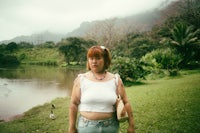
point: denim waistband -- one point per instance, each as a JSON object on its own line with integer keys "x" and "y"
{"x": 99, "y": 123}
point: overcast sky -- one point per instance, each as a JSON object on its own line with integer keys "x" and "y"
{"x": 26, "y": 17}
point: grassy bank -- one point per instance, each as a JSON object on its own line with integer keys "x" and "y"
{"x": 165, "y": 106}
{"x": 40, "y": 56}
{"x": 168, "y": 105}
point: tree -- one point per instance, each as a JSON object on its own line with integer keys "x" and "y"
{"x": 185, "y": 41}
{"x": 75, "y": 48}
{"x": 191, "y": 12}
{"x": 136, "y": 45}
{"x": 25, "y": 45}
{"x": 106, "y": 32}
{"x": 47, "y": 44}
{"x": 11, "y": 46}
{"x": 68, "y": 51}
{"x": 8, "y": 60}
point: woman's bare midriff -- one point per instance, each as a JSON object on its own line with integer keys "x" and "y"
{"x": 96, "y": 115}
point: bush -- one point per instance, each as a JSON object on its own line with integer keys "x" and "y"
{"x": 162, "y": 59}
{"x": 8, "y": 60}
{"x": 130, "y": 70}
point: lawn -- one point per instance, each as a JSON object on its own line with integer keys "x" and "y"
{"x": 168, "y": 105}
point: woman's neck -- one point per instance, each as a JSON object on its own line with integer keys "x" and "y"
{"x": 99, "y": 75}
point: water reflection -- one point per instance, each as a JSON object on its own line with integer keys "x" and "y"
{"x": 28, "y": 86}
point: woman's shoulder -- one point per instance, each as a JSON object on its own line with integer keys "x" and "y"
{"x": 81, "y": 76}
{"x": 114, "y": 74}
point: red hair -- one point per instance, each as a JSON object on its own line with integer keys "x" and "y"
{"x": 99, "y": 51}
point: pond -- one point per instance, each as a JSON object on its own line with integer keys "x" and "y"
{"x": 27, "y": 86}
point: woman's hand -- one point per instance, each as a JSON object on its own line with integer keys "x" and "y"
{"x": 73, "y": 130}
{"x": 130, "y": 129}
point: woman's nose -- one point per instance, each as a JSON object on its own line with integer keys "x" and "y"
{"x": 94, "y": 60}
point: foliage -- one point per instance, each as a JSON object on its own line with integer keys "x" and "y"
{"x": 136, "y": 45}
{"x": 69, "y": 51}
{"x": 74, "y": 49}
{"x": 25, "y": 45}
{"x": 185, "y": 11}
{"x": 11, "y": 47}
{"x": 47, "y": 53}
{"x": 39, "y": 56}
{"x": 162, "y": 59}
{"x": 48, "y": 44}
{"x": 181, "y": 29}
{"x": 8, "y": 61}
{"x": 6, "y": 57}
{"x": 190, "y": 12}
{"x": 185, "y": 41}
{"x": 2, "y": 48}
{"x": 129, "y": 69}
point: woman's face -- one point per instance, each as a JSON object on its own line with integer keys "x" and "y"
{"x": 96, "y": 64}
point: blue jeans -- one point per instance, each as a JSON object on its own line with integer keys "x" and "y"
{"x": 110, "y": 125}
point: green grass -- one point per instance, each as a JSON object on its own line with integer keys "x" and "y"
{"x": 42, "y": 56}
{"x": 37, "y": 119}
{"x": 168, "y": 105}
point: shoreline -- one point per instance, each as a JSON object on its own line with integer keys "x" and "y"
{"x": 14, "y": 117}
{"x": 21, "y": 115}
{"x": 11, "y": 118}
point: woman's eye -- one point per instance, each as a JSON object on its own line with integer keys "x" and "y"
{"x": 95, "y": 58}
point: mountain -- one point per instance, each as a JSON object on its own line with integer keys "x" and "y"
{"x": 37, "y": 38}
{"x": 140, "y": 22}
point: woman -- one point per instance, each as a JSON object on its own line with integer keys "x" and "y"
{"x": 94, "y": 95}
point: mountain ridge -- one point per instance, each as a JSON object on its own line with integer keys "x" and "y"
{"x": 142, "y": 22}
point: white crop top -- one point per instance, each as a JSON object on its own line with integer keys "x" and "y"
{"x": 97, "y": 96}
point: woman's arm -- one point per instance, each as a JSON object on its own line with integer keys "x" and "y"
{"x": 127, "y": 104}
{"x": 73, "y": 109}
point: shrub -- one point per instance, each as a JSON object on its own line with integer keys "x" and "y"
{"x": 130, "y": 69}
{"x": 8, "y": 60}
{"x": 162, "y": 59}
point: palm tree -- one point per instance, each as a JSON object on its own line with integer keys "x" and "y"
{"x": 185, "y": 41}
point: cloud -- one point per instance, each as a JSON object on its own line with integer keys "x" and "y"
{"x": 25, "y": 17}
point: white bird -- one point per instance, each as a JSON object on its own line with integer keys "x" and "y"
{"x": 52, "y": 116}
